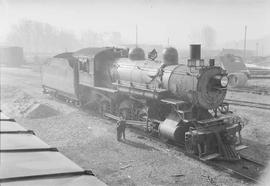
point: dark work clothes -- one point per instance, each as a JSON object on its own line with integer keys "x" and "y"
{"x": 121, "y": 126}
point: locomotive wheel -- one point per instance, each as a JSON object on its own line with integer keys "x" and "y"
{"x": 78, "y": 104}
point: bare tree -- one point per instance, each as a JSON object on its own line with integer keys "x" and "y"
{"x": 209, "y": 37}
{"x": 40, "y": 37}
{"x": 37, "y": 37}
{"x": 90, "y": 38}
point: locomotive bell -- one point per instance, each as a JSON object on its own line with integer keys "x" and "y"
{"x": 136, "y": 54}
{"x": 170, "y": 56}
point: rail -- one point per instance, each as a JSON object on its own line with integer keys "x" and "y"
{"x": 264, "y": 106}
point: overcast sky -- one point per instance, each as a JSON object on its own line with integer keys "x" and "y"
{"x": 157, "y": 20}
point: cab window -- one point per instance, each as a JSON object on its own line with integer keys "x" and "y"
{"x": 84, "y": 65}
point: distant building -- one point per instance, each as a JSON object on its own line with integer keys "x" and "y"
{"x": 237, "y": 52}
{"x": 11, "y": 56}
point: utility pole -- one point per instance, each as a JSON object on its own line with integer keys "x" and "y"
{"x": 168, "y": 42}
{"x": 245, "y": 42}
{"x": 136, "y": 36}
{"x": 257, "y": 49}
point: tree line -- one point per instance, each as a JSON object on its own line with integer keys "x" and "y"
{"x": 38, "y": 37}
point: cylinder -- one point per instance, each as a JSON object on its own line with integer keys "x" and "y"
{"x": 195, "y": 52}
{"x": 170, "y": 128}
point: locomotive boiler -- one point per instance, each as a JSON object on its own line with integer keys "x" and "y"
{"x": 181, "y": 103}
{"x": 203, "y": 86}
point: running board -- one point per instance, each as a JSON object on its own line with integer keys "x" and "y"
{"x": 209, "y": 157}
{"x": 111, "y": 116}
{"x": 128, "y": 122}
{"x": 240, "y": 147}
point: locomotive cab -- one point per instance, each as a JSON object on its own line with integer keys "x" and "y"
{"x": 95, "y": 64}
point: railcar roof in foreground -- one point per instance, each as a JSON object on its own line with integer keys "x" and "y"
{"x": 27, "y": 160}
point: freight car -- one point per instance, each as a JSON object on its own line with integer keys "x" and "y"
{"x": 182, "y": 103}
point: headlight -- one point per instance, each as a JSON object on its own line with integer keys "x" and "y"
{"x": 224, "y": 81}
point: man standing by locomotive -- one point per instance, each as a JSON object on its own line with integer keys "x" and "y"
{"x": 121, "y": 127}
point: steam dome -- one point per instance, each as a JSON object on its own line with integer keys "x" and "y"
{"x": 170, "y": 56}
{"x": 136, "y": 54}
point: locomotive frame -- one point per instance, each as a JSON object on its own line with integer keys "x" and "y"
{"x": 98, "y": 81}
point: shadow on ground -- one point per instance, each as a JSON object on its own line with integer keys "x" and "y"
{"x": 138, "y": 145}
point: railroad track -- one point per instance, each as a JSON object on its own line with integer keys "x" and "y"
{"x": 245, "y": 168}
{"x": 253, "y": 90}
{"x": 260, "y": 77}
{"x": 264, "y": 106}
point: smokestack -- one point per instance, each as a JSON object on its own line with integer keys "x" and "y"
{"x": 195, "y": 52}
{"x": 195, "y": 56}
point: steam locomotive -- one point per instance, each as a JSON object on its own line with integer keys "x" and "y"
{"x": 181, "y": 103}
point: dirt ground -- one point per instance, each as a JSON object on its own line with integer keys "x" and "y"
{"x": 90, "y": 141}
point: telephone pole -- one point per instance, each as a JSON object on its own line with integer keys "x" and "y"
{"x": 136, "y": 36}
{"x": 245, "y": 42}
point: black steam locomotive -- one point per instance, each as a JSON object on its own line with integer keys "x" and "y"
{"x": 182, "y": 103}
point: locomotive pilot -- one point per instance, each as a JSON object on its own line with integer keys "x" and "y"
{"x": 121, "y": 127}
